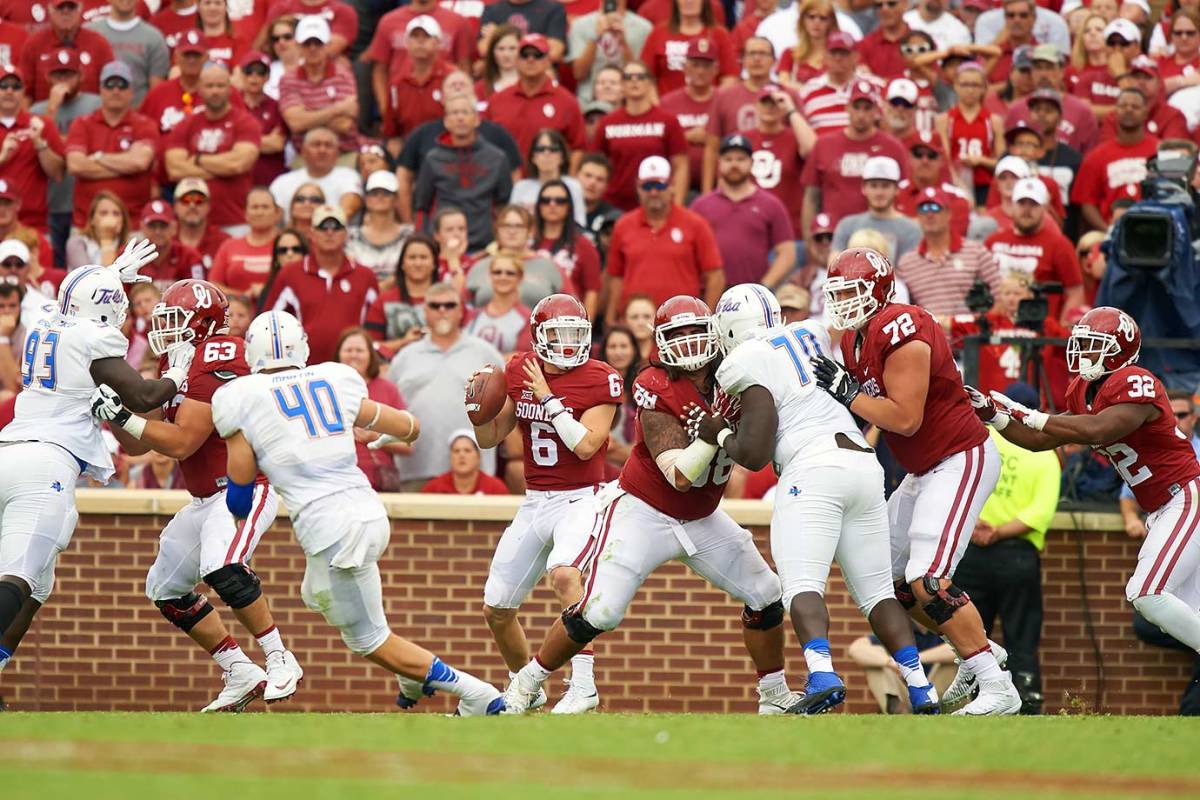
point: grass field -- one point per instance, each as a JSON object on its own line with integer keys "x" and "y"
{"x": 361, "y": 756}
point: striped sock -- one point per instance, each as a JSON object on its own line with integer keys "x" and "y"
{"x": 227, "y": 653}
{"x": 910, "y": 666}
{"x": 816, "y": 654}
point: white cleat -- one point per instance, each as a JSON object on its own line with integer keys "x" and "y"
{"x": 283, "y": 676}
{"x": 962, "y": 688}
{"x": 575, "y": 700}
{"x": 777, "y": 700}
{"x": 244, "y": 683}
{"x": 476, "y": 698}
{"x": 522, "y": 692}
{"x": 997, "y": 698}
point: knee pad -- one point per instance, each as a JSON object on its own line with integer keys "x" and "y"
{"x": 945, "y": 602}
{"x": 185, "y": 612}
{"x": 579, "y": 629}
{"x": 763, "y": 620}
{"x": 905, "y": 596}
{"x": 235, "y": 584}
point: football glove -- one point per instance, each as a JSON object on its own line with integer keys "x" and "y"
{"x": 833, "y": 378}
{"x": 1029, "y": 417}
{"x": 179, "y": 361}
{"x": 985, "y": 408}
{"x": 137, "y": 254}
{"x": 108, "y": 406}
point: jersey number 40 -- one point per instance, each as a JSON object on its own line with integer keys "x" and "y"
{"x": 315, "y": 404}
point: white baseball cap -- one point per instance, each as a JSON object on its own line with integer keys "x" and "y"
{"x": 1014, "y": 164}
{"x": 654, "y": 168}
{"x": 14, "y": 248}
{"x": 904, "y": 89}
{"x": 1125, "y": 29}
{"x": 1031, "y": 189}
{"x": 462, "y": 433}
{"x": 881, "y": 168}
{"x": 382, "y": 179}
{"x": 424, "y": 22}
{"x": 312, "y": 27}
{"x": 1142, "y": 4}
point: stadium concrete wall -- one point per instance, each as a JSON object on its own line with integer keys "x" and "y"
{"x": 100, "y": 645}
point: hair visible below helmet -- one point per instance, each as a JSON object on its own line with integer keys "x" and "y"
{"x": 860, "y": 282}
{"x": 93, "y": 292}
{"x": 688, "y": 351}
{"x": 1104, "y": 340}
{"x": 276, "y": 340}
{"x": 562, "y": 333}
{"x": 190, "y": 312}
{"x": 743, "y": 310}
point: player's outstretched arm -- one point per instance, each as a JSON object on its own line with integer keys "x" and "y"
{"x": 138, "y": 394}
{"x": 179, "y": 439}
{"x": 990, "y": 413}
{"x": 753, "y": 444}
{"x": 681, "y": 463}
{"x": 396, "y": 424}
{"x": 1097, "y": 430}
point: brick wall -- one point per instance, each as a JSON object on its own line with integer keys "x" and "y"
{"x": 100, "y": 644}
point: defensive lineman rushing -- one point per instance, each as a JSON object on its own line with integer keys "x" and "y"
{"x": 900, "y": 375}
{"x": 53, "y": 438}
{"x": 564, "y": 404}
{"x": 830, "y": 498}
{"x": 1122, "y": 410}
{"x": 203, "y": 542}
{"x": 295, "y": 422}
{"x": 664, "y": 508}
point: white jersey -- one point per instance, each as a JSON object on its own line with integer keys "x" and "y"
{"x": 56, "y": 404}
{"x": 778, "y": 359}
{"x": 300, "y": 423}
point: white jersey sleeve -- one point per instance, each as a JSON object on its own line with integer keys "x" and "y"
{"x": 747, "y": 365}
{"x": 225, "y": 405}
{"x": 108, "y": 342}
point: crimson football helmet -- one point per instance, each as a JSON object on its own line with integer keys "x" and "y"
{"x": 860, "y": 282}
{"x": 1104, "y": 340}
{"x": 562, "y": 333}
{"x": 190, "y": 311}
{"x": 691, "y": 350}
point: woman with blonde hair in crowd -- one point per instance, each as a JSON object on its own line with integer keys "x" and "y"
{"x": 503, "y": 321}
{"x": 1181, "y": 69}
{"x": 104, "y": 236}
{"x": 500, "y": 62}
{"x": 1090, "y": 61}
{"x": 805, "y": 61}
{"x": 212, "y": 17}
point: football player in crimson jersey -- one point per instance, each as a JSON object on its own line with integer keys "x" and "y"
{"x": 203, "y": 542}
{"x": 564, "y": 403}
{"x": 664, "y": 508}
{"x": 900, "y": 376}
{"x": 1122, "y": 410}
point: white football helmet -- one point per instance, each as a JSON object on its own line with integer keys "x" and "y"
{"x": 743, "y": 310}
{"x": 93, "y": 292}
{"x": 276, "y": 339}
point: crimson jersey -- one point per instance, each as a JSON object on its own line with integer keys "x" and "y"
{"x": 1156, "y": 460}
{"x": 549, "y": 463}
{"x": 218, "y": 360}
{"x": 653, "y": 390}
{"x": 971, "y": 138}
{"x": 950, "y": 425}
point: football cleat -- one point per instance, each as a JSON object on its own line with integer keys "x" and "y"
{"x": 962, "y": 689}
{"x": 477, "y": 698}
{"x": 823, "y": 692}
{"x": 997, "y": 697}
{"x": 522, "y": 692}
{"x": 574, "y": 701}
{"x": 777, "y": 700}
{"x": 924, "y": 699}
{"x": 411, "y": 692}
{"x": 244, "y": 683}
{"x": 283, "y": 676}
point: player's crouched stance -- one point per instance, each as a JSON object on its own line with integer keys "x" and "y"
{"x": 1122, "y": 410}
{"x": 295, "y": 423}
{"x": 664, "y": 508}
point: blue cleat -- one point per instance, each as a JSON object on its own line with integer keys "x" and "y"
{"x": 411, "y": 692}
{"x": 823, "y": 692}
{"x": 924, "y": 699}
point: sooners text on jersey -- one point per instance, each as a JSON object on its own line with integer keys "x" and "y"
{"x": 1156, "y": 459}
{"x": 653, "y": 390}
{"x": 549, "y": 464}
{"x": 949, "y": 425}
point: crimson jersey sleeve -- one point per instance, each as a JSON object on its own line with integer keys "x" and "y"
{"x": 652, "y": 391}
{"x": 218, "y": 361}
{"x": 1130, "y": 385}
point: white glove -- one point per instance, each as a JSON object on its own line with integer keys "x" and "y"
{"x": 383, "y": 441}
{"x": 985, "y": 408}
{"x": 1030, "y": 418}
{"x": 179, "y": 361}
{"x": 108, "y": 406}
{"x": 137, "y": 254}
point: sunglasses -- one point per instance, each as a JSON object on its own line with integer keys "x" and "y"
{"x": 915, "y": 49}
{"x": 1185, "y": 34}
{"x": 1017, "y": 15}
{"x": 282, "y": 37}
{"x": 11, "y": 86}
{"x": 929, "y": 208}
{"x": 288, "y": 249}
{"x": 546, "y": 148}
{"x": 635, "y": 76}
{"x": 13, "y": 263}
{"x": 654, "y": 186}
{"x": 531, "y": 54}
{"x": 257, "y": 69}
{"x": 441, "y": 306}
{"x": 115, "y": 84}
{"x": 308, "y": 198}
{"x": 511, "y": 273}
{"x": 822, "y": 237}
{"x": 553, "y": 201}
{"x": 190, "y": 200}
{"x": 330, "y": 226}
{"x": 926, "y": 155}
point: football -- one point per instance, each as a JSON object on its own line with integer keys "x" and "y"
{"x": 486, "y": 395}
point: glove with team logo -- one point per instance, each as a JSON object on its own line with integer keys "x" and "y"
{"x": 179, "y": 361}
{"x": 137, "y": 254}
{"x": 835, "y": 379}
{"x": 108, "y": 406}
{"x": 985, "y": 408}
{"x": 1029, "y": 417}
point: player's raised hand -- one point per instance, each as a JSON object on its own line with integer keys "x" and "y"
{"x": 535, "y": 381}
{"x": 107, "y": 404}
{"x": 137, "y": 254}
{"x": 179, "y": 361}
{"x": 1029, "y": 417}
{"x": 833, "y": 378}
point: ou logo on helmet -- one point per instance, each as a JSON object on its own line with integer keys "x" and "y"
{"x": 1126, "y": 326}
{"x": 877, "y": 261}
{"x": 202, "y": 295}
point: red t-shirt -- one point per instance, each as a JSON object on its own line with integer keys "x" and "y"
{"x": 239, "y": 264}
{"x": 23, "y": 172}
{"x": 1168, "y": 67}
{"x": 414, "y": 101}
{"x": 1165, "y": 121}
{"x": 971, "y": 137}
{"x": 224, "y": 49}
{"x": 388, "y": 48}
{"x": 325, "y": 306}
{"x": 580, "y": 266}
{"x": 665, "y": 262}
{"x": 523, "y": 115}
{"x": 484, "y": 484}
{"x": 778, "y": 167}
{"x": 628, "y": 139}
{"x": 1112, "y": 171}
{"x": 835, "y": 167}
{"x": 1096, "y": 85}
{"x": 179, "y": 263}
{"x": 36, "y": 60}
{"x": 91, "y": 134}
{"x": 735, "y": 109}
{"x": 199, "y": 134}
{"x": 1045, "y": 256}
{"x": 12, "y": 42}
{"x": 665, "y": 54}
{"x": 381, "y": 390}
{"x": 881, "y": 55}
{"x": 799, "y": 73}
{"x": 690, "y": 114}
{"x": 269, "y": 166}
{"x": 173, "y": 25}
{"x": 342, "y": 18}
{"x": 658, "y": 12}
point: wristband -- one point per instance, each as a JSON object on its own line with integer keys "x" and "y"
{"x": 135, "y": 426}
{"x": 239, "y": 498}
{"x": 553, "y": 407}
{"x": 1000, "y": 421}
{"x": 378, "y": 410}
{"x": 723, "y": 435}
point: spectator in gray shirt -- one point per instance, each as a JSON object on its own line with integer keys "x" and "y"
{"x": 430, "y": 374}
{"x": 881, "y": 180}
{"x": 136, "y": 42}
{"x": 598, "y": 40}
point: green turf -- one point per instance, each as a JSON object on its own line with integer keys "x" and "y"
{"x": 690, "y": 757}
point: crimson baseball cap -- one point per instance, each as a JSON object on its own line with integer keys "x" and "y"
{"x": 863, "y": 90}
{"x": 536, "y": 41}
{"x": 1143, "y": 63}
{"x": 922, "y": 140}
{"x": 822, "y": 223}
{"x": 255, "y": 57}
{"x": 1019, "y": 127}
{"x": 702, "y": 49}
{"x": 768, "y": 92}
{"x": 6, "y": 191}
{"x": 840, "y": 40}
{"x": 157, "y": 211}
{"x": 8, "y": 70}
{"x": 933, "y": 196}
{"x": 64, "y": 59}
{"x": 192, "y": 42}
{"x": 1048, "y": 95}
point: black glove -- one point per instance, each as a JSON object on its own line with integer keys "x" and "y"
{"x": 833, "y": 378}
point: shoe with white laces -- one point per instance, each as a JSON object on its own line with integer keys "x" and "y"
{"x": 997, "y": 697}
{"x": 575, "y": 700}
{"x": 777, "y": 699}
{"x": 283, "y": 676}
{"x": 245, "y": 682}
{"x": 963, "y": 687}
{"x": 523, "y": 690}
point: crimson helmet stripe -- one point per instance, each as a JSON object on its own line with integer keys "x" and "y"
{"x": 70, "y": 287}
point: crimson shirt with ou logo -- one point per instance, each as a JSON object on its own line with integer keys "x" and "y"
{"x": 777, "y": 167}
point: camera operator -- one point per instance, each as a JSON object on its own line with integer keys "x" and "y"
{"x": 1037, "y": 249}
